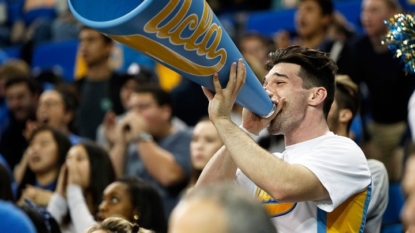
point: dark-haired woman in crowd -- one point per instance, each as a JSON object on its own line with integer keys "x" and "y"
{"x": 205, "y": 142}
{"x": 45, "y": 155}
{"x": 136, "y": 201}
{"x": 83, "y": 178}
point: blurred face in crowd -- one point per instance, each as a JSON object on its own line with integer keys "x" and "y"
{"x": 42, "y": 153}
{"x": 79, "y": 156}
{"x": 93, "y": 48}
{"x": 205, "y": 142}
{"x": 255, "y": 48}
{"x": 126, "y": 90}
{"x": 373, "y": 14}
{"x": 116, "y": 201}
{"x": 154, "y": 115}
{"x": 191, "y": 216}
{"x": 51, "y": 110}
{"x": 309, "y": 19}
{"x": 21, "y": 102}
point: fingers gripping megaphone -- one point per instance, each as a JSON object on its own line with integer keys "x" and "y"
{"x": 184, "y": 35}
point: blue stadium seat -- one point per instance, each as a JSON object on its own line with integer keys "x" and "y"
{"x": 268, "y": 23}
{"x": 12, "y": 52}
{"x": 395, "y": 204}
{"x": 58, "y": 56}
{"x": 395, "y": 228}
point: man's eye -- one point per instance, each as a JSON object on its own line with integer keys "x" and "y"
{"x": 114, "y": 200}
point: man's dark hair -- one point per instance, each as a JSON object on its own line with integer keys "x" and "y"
{"x": 31, "y": 83}
{"x": 107, "y": 40}
{"x": 316, "y": 69}
{"x": 161, "y": 96}
{"x": 326, "y": 6}
{"x": 70, "y": 100}
{"x": 347, "y": 97}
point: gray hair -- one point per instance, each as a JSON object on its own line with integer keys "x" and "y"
{"x": 244, "y": 213}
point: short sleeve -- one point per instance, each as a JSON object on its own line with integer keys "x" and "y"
{"x": 341, "y": 167}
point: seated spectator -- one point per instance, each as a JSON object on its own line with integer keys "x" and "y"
{"x": 10, "y": 69}
{"x": 83, "y": 178}
{"x": 65, "y": 26}
{"x": 150, "y": 146}
{"x": 313, "y": 18}
{"x": 31, "y": 20}
{"x": 22, "y": 94}
{"x": 99, "y": 90}
{"x": 255, "y": 49}
{"x": 228, "y": 206}
{"x": 134, "y": 200}
{"x": 344, "y": 108}
{"x": 129, "y": 83}
{"x": 4, "y": 28}
{"x": 44, "y": 157}
{"x": 57, "y": 109}
{"x": 205, "y": 142}
{"x": 382, "y": 73}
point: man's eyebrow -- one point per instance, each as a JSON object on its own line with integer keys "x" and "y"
{"x": 281, "y": 75}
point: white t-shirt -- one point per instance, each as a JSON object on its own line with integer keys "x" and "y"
{"x": 380, "y": 196}
{"x": 341, "y": 167}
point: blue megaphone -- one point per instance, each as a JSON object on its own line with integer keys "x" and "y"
{"x": 184, "y": 35}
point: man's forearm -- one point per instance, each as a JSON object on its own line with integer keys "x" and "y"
{"x": 117, "y": 155}
{"x": 160, "y": 164}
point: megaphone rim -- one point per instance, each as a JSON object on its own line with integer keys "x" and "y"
{"x": 109, "y": 23}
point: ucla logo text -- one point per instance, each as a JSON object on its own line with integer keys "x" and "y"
{"x": 273, "y": 207}
{"x": 201, "y": 27}
{"x": 204, "y": 39}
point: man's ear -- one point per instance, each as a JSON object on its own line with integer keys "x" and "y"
{"x": 167, "y": 112}
{"x": 68, "y": 117}
{"x": 317, "y": 96}
{"x": 345, "y": 115}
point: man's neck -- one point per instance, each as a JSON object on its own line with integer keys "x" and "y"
{"x": 342, "y": 131}
{"x": 308, "y": 129}
{"x": 166, "y": 130}
{"x": 47, "y": 178}
{"x": 98, "y": 72}
{"x": 312, "y": 41}
{"x": 64, "y": 129}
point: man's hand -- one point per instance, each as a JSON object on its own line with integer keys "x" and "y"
{"x": 38, "y": 196}
{"x": 130, "y": 127}
{"x": 110, "y": 126}
{"x": 221, "y": 103}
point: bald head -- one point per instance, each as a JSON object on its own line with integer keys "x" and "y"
{"x": 197, "y": 216}
{"x": 226, "y": 205}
